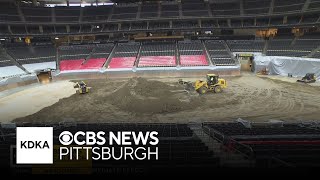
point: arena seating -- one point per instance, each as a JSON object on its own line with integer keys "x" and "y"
{"x": 256, "y": 7}
{"x": 102, "y": 50}
{"x": 74, "y": 58}
{"x": 70, "y": 14}
{"x": 137, "y": 26}
{"x": 93, "y": 63}
{"x": 122, "y": 62}
{"x": 169, "y": 9}
{"x": 287, "y": 13}
{"x": 157, "y": 55}
{"x": 287, "y": 6}
{"x": 74, "y": 64}
{"x": 81, "y": 64}
{"x": 37, "y": 14}
{"x": 9, "y": 12}
{"x": 74, "y": 52}
{"x": 7, "y": 67}
{"x": 149, "y": 10}
{"x": 125, "y": 12}
{"x": 218, "y": 53}
{"x": 159, "y": 25}
{"x": 185, "y": 24}
{"x": 194, "y": 8}
{"x": 193, "y": 60}
{"x": 157, "y": 61}
{"x": 288, "y": 144}
{"x": 5, "y": 61}
{"x": 192, "y": 54}
{"x": 209, "y": 24}
{"x": 96, "y": 13}
{"x": 33, "y": 54}
{"x": 286, "y": 47}
{"x": 246, "y": 45}
{"x": 225, "y": 8}
{"x": 124, "y": 56}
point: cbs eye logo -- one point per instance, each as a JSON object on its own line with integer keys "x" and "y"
{"x": 66, "y": 138}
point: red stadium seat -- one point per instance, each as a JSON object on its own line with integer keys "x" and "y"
{"x": 193, "y": 60}
{"x": 157, "y": 61}
{"x": 122, "y": 62}
{"x": 94, "y": 63}
{"x": 67, "y": 65}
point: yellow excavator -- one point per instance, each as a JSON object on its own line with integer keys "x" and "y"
{"x": 213, "y": 84}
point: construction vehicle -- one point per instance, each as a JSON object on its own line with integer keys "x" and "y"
{"x": 82, "y": 87}
{"x": 308, "y": 78}
{"x": 213, "y": 84}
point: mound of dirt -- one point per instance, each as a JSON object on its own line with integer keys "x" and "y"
{"x": 139, "y": 95}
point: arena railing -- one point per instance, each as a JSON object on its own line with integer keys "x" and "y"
{"x": 231, "y": 144}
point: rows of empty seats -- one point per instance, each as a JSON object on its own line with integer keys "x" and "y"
{"x": 246, "y": 45}
{"x": 157, "y": 55}
{"x": 8, "y": 67}
{"x": 32, "y": 29}
{"x": 169, "y": 9}
{"x": 74, "y": 52}
{"x": 93, "y": 13}
{"x": 33, "y": 54}
{"x": 125, "y": 12}
{"x": 73, "y": 57}
{"x": 288, "y": 144}
{"x": 218, "y": 53}
{"x": 288, "y": 47}
{"x": 8, "y": 12}
{"x": 288, "y": 5}
{"x": 225, "y": 8}
{"x": 192, "y": 54}
{"x": 165, "y": 9}
{"x": 149, "y": 10}
{"x": 5, "y": 60}
{"x": 124, "y": 55}
{"x": 84, "y": 57}
{"x": 194, "y": 8}
{"x": 256, "y": 7}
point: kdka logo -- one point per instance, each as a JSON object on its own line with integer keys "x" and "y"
{"x": 34, "y": 145}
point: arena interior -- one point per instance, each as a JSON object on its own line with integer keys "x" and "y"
{"x": 131, "y": 54}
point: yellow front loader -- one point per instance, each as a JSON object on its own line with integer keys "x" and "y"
{"x": 213, "y": 84}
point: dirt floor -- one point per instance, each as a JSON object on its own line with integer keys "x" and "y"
{"x": 164, "y": 100}
{"x": 27, "y": 100}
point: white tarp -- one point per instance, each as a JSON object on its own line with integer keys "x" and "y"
{"x": 10, "y": 71}
{"x": 279, "y": 65}
{"x": 40, "y": 66}
{"x": 298, "y": 67}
